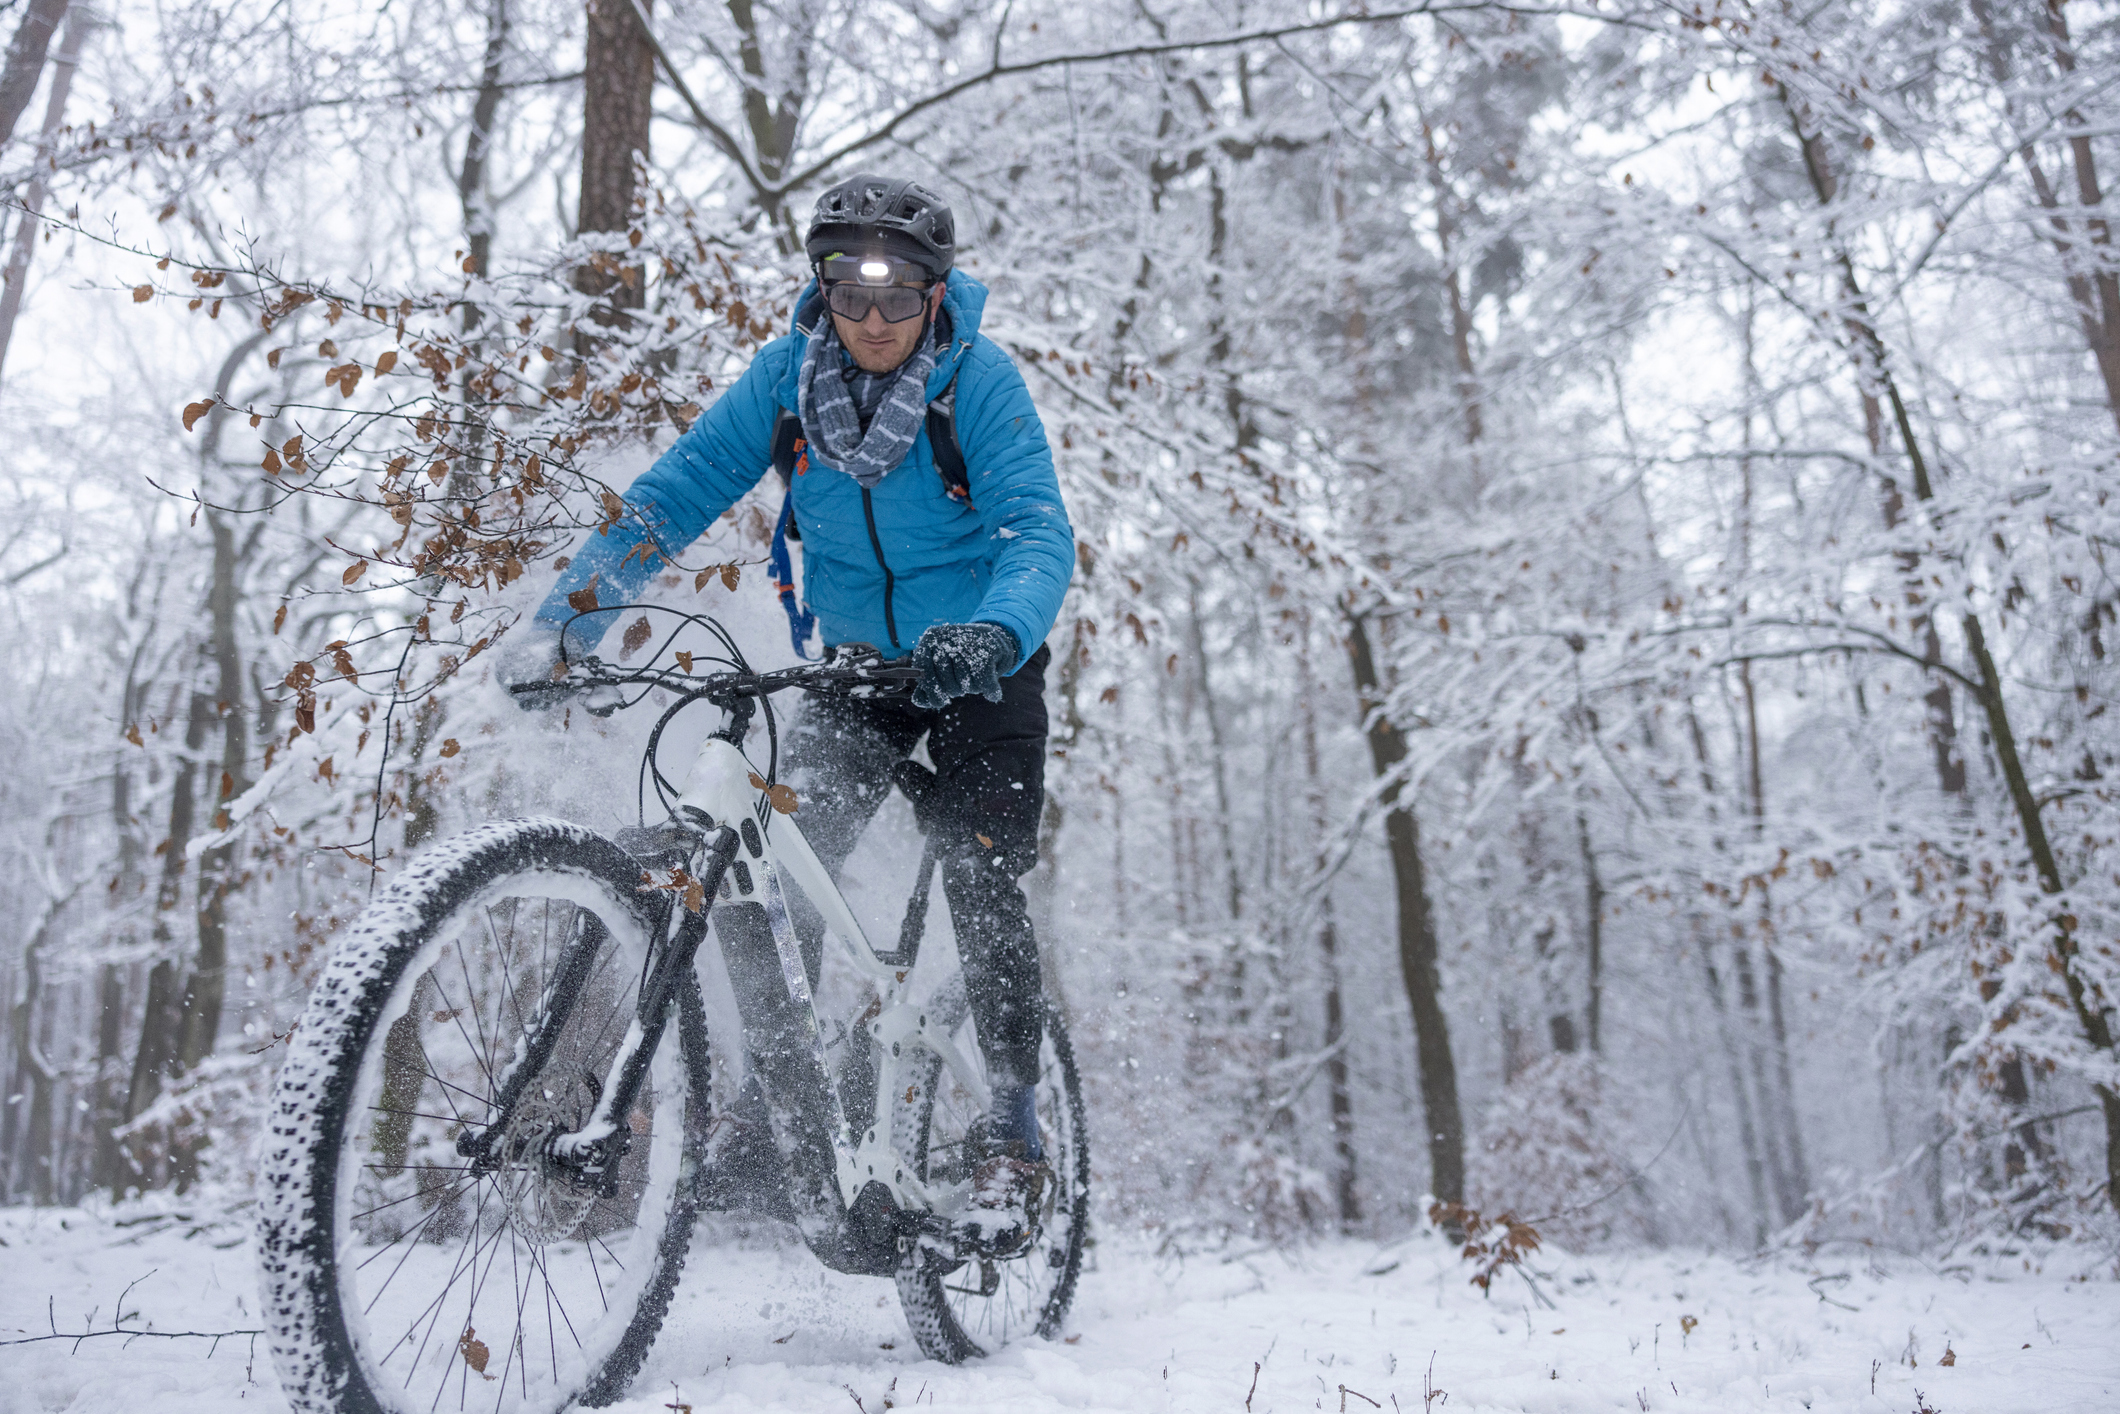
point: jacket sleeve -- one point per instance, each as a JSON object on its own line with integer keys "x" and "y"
{"x": 1017, "y": 496}
{"x": 671, "y": 504}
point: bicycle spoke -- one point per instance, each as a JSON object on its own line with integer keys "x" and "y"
{"x": 440, "y": 1207}
{"x": 369, "y": 1212}
{"x": 417, "y": 1114}
{"x": 478, "y": 1051}
{"x": 441, "y": 1298}
{"x": 478, "y": 1284}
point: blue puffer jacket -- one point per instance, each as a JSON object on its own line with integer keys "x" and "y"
{"x": 880, "y": 566}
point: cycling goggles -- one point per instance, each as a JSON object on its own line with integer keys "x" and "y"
{"x": 854, "y": 285}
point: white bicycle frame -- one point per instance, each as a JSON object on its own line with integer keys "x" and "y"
{"x": 720, "y": 786}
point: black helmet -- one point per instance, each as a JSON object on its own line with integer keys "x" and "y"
{"x": 899, "y": 218}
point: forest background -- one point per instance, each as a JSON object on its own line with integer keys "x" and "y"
{"x": 1585, "y": 688}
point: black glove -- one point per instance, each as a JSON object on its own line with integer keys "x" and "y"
{"x": 527, "y": 659}
{"x": 956, "y": 660}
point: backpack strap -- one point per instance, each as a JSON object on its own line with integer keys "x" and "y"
{"x": 944, "y": 446}
{"x": 788, "y": 459}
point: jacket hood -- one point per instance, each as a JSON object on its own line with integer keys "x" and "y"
{"x": 963, "y": 302}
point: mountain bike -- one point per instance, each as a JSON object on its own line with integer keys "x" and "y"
{"x": 495, "y": 1126}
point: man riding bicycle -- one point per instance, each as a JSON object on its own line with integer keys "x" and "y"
{"x": 962, "y": 579}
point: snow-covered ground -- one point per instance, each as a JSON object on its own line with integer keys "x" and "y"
{"x": 759, "y": 1326}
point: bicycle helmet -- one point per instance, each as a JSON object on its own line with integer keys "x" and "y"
{"x": 897, "y": 218}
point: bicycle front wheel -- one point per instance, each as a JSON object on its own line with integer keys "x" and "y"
{"x": 966, "y": 1305}
{"x": 398, "y": 1275}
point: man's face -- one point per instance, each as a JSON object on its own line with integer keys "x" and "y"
{"x": 878, "y": 347}
{"x": 860, "y": 289}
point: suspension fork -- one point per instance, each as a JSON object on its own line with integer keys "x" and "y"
{"x": 594, "y": 1150}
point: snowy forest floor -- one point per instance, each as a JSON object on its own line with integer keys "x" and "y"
{"x": 759, "y": 1326}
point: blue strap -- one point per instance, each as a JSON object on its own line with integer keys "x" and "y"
{"x": 800, "y": 620}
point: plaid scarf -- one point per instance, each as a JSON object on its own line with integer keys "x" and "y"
{"x": 862, "y": 423}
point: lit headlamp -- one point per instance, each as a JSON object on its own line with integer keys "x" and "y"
{"x": 872, "y": 270}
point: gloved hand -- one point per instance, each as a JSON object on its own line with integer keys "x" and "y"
{"x": 956, "y": 660}
{"x": 528, "y": 656}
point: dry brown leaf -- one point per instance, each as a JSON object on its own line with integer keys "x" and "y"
{"x": 354, "y": 571}
{"x": 583, "y": 600}
{"x": 1950, "y": 1356}
{"x": 143, "y": 293}
{"x": 272, "y": 462}
{"x": 279, "y": 620}
{"x": 194, "y": 411}
{"x": 450, "y": 747}
{"x": 684, "y": 661}
{"x": 781, "y": 798}
{"x": 984, "y": 841}
{"x": 699, "y": 581}
{"x": 386, "y": 361}
{"x": 637, "y": 633}
{"x": 474, "y": 1351}
{"x": 132, "y": 733}
{"x": 730, "y": 574}
{"x": 695, "y": 895}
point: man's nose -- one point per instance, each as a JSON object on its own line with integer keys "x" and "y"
{"x": 873, "y": 323}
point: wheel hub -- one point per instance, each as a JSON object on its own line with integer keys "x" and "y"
{"x": 549, "y": 1199}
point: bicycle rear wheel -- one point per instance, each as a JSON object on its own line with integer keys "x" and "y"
{"x": 961, "y": 1307}
{"x": 398, "y": 1276}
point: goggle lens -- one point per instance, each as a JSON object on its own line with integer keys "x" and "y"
{"x": 898, "y": 303}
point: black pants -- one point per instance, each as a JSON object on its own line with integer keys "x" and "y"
{"x": 982, "y": 818}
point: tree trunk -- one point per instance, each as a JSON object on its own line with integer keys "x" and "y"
{"x": 772, "y": 119}
{"x": 618, "y": 81}
{"x": 1594, "y": 913}
{"x": 471, "y": 177}
{"x": 30, "y": 226}
{"x": 1340, "y": 1103}
{"x": 25, "y": 60}
{"x": 35, "y": 1076}
{"x": 2102, "y": 326}
{"x": 162, "y": 1021}
{"x": 1747, "y": 1129}
{"x": 1218, "y": 751}
{"x": 108, "y": 1106}
{"x": 1417, "y": 941}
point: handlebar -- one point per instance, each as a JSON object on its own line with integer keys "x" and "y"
{"x": 849, "y": 674}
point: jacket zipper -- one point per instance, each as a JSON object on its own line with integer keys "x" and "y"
{"x": 890, "y": 623}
